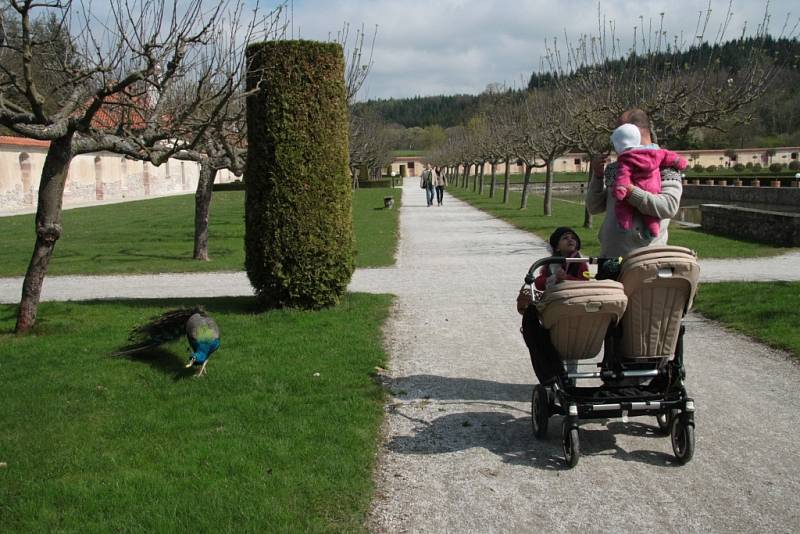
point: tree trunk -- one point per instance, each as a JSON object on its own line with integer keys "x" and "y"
{"x": 48, "y": 229}
{"x": 493, "y": 184}
{"x": 548, "y": 189}
{"x": 587, "y": 217}
{"x": 524, "y": 202}
{"x": 480, "y": 180}
{"x": 467, "y": 168}
{"x": 505, "y": 182}
{"x": 202, "y": 205}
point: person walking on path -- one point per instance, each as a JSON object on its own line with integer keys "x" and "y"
{"x": 614, "y": 239}
{"x": 440, "y": 183}
{"x": 426, "y": 181}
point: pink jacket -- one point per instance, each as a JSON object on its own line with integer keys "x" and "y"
{"x": 641, "y": 167}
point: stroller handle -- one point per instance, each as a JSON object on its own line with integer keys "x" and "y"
{"x": 592, "y": 260}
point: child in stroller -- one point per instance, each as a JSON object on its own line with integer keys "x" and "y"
{"x": 564, "y": 242}
{"x": 640, "y": 317}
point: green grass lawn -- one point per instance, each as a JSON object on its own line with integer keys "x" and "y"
{"x": 95, "y": 443}
{"x": 766, "y": 311}
{"x": 569, "y": 213}
{"x": 157, "y": 236}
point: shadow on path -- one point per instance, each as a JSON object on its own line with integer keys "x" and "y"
{"x": 448, "y": 388}
{"x": 501, "y": 433}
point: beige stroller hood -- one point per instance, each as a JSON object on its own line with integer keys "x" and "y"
{"x": 579, "y": 313}
{"x": 660, "y": 283}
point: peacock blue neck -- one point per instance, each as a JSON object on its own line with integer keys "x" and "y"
{"x": 204, "y": 349}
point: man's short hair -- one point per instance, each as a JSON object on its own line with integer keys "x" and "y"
{"x": 637, "y": 117}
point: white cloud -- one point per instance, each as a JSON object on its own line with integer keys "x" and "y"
{"x": 453, "y": 46}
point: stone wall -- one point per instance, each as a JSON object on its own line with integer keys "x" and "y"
{"x": 782, "y": 229}
{"x": 774, "y": 196}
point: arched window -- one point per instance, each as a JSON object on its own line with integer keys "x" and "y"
{"x": 123, "y": 174}
{"x": 99, "y": 191}
{"x": 27, "y": 182}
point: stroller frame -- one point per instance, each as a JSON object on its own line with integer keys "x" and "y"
{"x": 631, "y": 388}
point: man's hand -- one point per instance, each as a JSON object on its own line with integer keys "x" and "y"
{"x": 598, "y": 165}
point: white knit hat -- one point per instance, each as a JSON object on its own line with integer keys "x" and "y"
{"x": 626, "y": 137}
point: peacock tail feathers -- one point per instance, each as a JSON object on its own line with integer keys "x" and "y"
{"x": 168, "y": 326}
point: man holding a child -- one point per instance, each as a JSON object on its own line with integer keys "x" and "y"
{"x": 615, "y": 240}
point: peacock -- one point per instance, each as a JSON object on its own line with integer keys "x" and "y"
{"x": 201, "y": 332}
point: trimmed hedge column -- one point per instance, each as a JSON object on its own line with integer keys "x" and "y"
{"x": 298, "y": 200}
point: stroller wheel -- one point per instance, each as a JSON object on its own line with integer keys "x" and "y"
{"x": 540, "y": 411}
{"x": 682, "y": 434}
{"x": 664, "y": 421}
{"x": 570, "y": 444}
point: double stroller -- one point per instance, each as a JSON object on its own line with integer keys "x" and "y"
{"x": 638, "y": 322}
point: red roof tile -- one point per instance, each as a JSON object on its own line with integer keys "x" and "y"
{"x": 23, "y": 142}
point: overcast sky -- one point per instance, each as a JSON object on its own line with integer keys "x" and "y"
{"x": 431, "y": 47}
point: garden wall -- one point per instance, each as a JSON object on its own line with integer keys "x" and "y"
{"x": 777, "y": 196}
{"x": 782, "y": 229}
{"x": 95, "y": 177}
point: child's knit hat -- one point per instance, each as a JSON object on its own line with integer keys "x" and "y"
{"x": 555, "y": 237}
{"x": 626, "y": 137}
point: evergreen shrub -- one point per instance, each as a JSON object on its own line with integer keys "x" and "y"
{"x": 298, "y": 198}
{"x": 794, "y": 165}
{"x": 738, "y": 167}
{"x": 775, "y": 167}
{"x": 711, "y": 168}
{"x": 698, "y": 168}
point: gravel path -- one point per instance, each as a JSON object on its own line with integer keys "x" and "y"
{"x": 458, "y": 454}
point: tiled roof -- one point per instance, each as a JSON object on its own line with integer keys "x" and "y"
{"x": 118, "y": 107}
{"x": 8, "y": 140}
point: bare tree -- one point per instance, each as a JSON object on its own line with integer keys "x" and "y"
{"x": 370, "y": 144}
{"x": 525, "y": 146}
{"x": 222, "y": 146}
{"x": 491, "y": 139}
{"x": 547, "y": 135}
{"x": 132, "y": 85}
{"x": 223, "y": 143}
{"x": 359, "y": 61}
{"x": 681, "y": 84}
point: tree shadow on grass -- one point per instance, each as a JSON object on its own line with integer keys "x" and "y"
{"x": 230, "y": 305}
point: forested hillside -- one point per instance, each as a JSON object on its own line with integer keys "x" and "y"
{"x": 775, "y": 117}
{"x": 421, "y": 111}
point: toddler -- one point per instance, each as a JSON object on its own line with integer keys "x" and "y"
{"x": 640, "y": 166}
{"x": 564, "y": 242}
